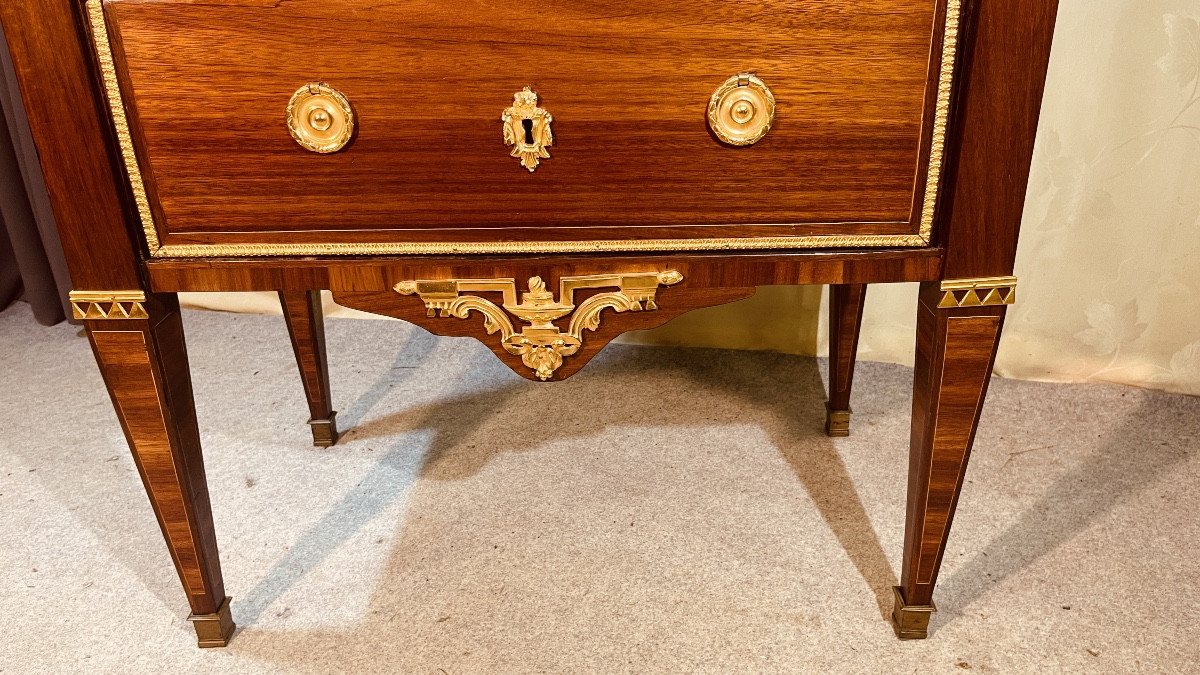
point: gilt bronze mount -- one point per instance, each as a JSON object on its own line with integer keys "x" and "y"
{"x": 320, "y": 118}
{"x": 911, "y": 622}
{"x": 527, "y": 129}
{"x": 981, "y": 292}
{"x": 108, "y": 305}
{"x": 542, "y": 345}
{"x": 742, "y": 110}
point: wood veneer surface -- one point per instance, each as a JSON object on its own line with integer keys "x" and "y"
{"x": 627, "y": 83}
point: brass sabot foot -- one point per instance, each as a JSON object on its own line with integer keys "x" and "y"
{"x": 911, "y": 622}
{"x": 324, "y": 432}
{"x": 837, "y": 422}
{"x": 214, "y": 630}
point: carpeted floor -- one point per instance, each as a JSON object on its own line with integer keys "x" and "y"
{"x": 663, "y": 511}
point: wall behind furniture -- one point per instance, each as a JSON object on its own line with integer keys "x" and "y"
{"x": 1109, "y": 262}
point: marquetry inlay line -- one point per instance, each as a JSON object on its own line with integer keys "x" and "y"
{"x": 921, "y": 238}
{"x": 844, "y": 375}
{"x": 108, "y": 305}
{"x": 981, "y": 292}
{"x": 948, "y": 452}
{"x": 125, "y": 360}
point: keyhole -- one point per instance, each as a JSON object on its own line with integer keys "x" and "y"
{"x": 528, "y": 124}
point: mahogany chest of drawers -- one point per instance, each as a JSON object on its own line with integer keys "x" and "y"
{"x": 543, "y": 176}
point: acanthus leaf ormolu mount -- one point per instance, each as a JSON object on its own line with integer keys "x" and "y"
{"x": 541, "y": 345}
{"x": 660, "y": 193}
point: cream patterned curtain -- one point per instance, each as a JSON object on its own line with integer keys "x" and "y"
{"x": 1109, "y": 260}
{"x": 1110, "y": 250}
{"x": 1109, "y": 263}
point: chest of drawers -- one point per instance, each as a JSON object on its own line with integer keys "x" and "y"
{"x": 542, "y": 176}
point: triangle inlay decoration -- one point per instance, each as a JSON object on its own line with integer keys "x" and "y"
{"x": 94, "y": 305}
{"x": 984, "y": 292}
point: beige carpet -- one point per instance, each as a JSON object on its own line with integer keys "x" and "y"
{"x": 663, "y": 511}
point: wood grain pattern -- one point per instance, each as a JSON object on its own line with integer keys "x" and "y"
{"x": 54, "y": 68}
{"x": 955, "y": 352}
{"x": 144, "y": 364}
{"x": 626, "y": 82}
{"x": 845, "y": 321}
{"x": 1003, "y": 58}
{"x": 701, "y": 270}
{"x": 306, "y": 327}
{"x": 1005, "y": 52}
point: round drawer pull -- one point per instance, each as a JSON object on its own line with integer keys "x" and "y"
{"x": 320, "y": 118}
{"x": 741, "y": 111}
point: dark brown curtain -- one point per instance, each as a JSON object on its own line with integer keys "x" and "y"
{"x": 32, "y": 267}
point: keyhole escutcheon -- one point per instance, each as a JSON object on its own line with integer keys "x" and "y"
{"x": 527, "y": 129}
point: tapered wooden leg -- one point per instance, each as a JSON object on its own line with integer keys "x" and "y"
{"x": 140, "y": 349}
{"x": 845, "y": 322}
{"x": 302, "y": 310}
{"x": 956, "y": 347}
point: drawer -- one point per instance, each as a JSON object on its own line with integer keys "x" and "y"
{"x": 201, "y": 92}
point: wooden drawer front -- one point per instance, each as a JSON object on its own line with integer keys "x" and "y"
{"x": 205, "y": 87}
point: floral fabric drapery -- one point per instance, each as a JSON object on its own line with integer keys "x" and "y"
{"x": 1110, "y": 250}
